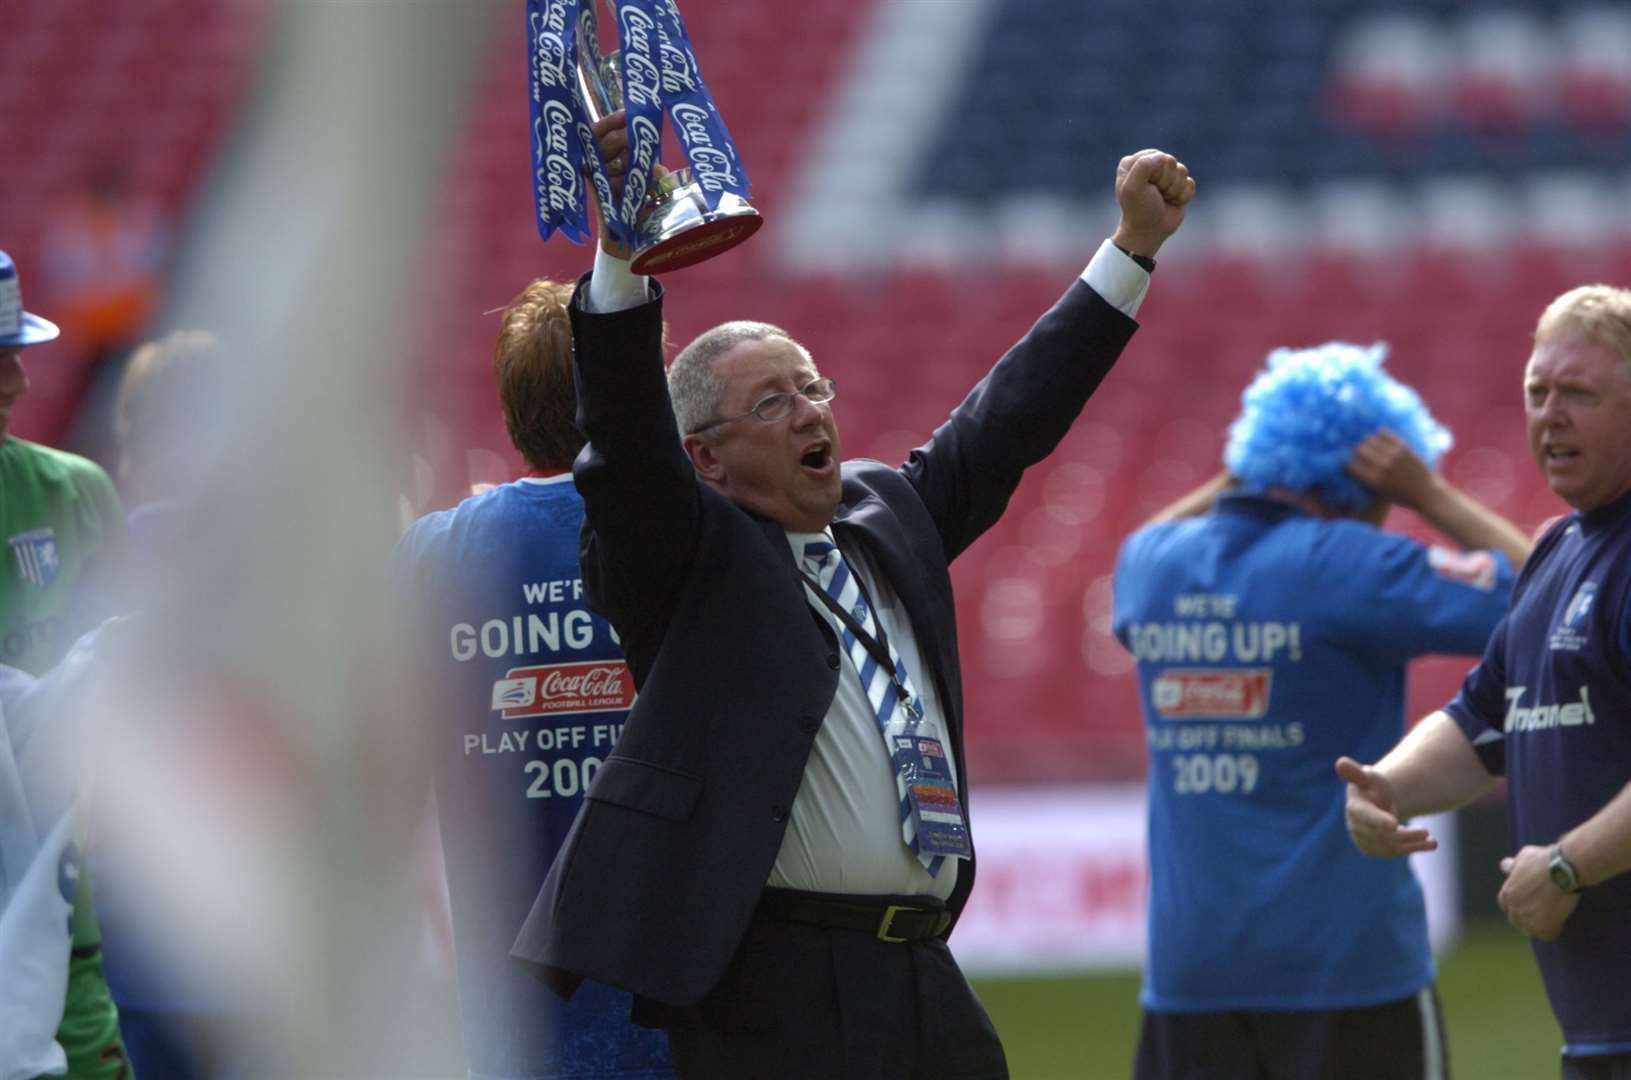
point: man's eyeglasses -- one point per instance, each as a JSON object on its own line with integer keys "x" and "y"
{"x": 777, "y": 406}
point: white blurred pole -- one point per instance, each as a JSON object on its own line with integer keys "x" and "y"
{"x": 276, "y": 839}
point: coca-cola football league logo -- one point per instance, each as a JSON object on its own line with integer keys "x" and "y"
{"x": 555, "y": 689}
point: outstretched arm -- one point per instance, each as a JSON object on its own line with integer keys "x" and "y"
{"x": 1386, "y": 465}
{"x": 634, "y": 477}
{"x": 1017, "y": 414}
{"x": 1433, "y": 768}
{"x": 612, "y": 285}
{"x": 1195, "y": 502}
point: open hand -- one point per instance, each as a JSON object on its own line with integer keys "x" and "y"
{"x": 1371, "y": 817}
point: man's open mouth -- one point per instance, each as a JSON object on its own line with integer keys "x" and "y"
{"x": 817, "y": 457}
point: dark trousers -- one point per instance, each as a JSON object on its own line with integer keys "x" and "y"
{"x": 175, "y": 1045}
{"x": 802, "y": 1002}
{"x": 1398, "y": 1040}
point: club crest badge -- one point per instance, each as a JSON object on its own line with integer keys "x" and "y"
{"x": 35, "y": 554}
{"x": 1580, "y": 606}
{"x": 1573, "y": 628}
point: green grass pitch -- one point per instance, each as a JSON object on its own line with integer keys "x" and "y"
{"x": 1084, "y": 1027}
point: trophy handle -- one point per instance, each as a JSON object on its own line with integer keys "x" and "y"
{"x": 600, "y": 79}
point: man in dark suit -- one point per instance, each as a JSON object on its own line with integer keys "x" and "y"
{"x": 775, "y": 854}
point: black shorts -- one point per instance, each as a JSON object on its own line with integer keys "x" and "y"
{"x": 1398, "y": 1040}
{"x": 1597, "y": 1067}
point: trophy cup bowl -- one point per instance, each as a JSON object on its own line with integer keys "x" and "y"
{"x": 674, "y": 228}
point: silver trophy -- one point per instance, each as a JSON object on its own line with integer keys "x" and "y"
{"x": 674, "y": 228}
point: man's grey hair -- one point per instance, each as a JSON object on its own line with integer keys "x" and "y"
{"x": 1599, "y": 313}
{"x": 692, "y": 385}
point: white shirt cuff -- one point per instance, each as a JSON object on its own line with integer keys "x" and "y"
{"x": 613, "y": 286}
{"x": 1114, "y": 275}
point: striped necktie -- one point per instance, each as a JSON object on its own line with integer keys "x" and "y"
{"x": 889, "y": 708}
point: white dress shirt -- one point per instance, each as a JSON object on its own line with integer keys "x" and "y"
{"x": 844, "y": 833}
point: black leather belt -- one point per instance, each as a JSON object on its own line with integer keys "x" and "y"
{"x": 884, "y": 920}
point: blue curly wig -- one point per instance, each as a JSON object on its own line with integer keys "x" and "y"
{"x": 1302, "y": 416}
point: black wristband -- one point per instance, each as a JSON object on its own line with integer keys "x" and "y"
{"x": 1144, "y": 261}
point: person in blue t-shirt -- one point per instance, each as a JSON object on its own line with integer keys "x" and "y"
{"x": 529, "y": 693}
{"x": 1549, "y": 705}
{"x": 1271, "y": 619}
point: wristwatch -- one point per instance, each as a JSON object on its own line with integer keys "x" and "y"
{"x": 1562, "y": 871}
{"x": 1145, "y": 263}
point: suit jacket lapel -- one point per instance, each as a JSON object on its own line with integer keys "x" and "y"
{"x": 854, "y": 525}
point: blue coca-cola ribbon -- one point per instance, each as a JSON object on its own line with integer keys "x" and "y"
{"x": 618, "y": 221}
{"x": 659, "y": 75}
{"x": 639, "y": 49}
{"x": 559, "y": 191}
{"x": 700, "y": 129}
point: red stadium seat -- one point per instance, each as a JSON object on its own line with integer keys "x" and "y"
{"x": 1047, "y": 686}
{"x": 151, "y": 82}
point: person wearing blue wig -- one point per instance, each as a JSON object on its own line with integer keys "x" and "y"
{"x": 1305, "y": 413}
{"x": 1271, "y": 619}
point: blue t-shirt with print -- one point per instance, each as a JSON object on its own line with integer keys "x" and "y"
{"x": 1268, "y": 643}
{"x": 530, "y": 692}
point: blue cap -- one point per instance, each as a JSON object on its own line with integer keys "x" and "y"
{"x": 18, "y": 327}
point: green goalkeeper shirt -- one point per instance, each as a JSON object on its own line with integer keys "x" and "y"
{"x": 61, "y": 520}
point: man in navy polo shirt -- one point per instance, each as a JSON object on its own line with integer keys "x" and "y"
{"x": 1550, "y": 703}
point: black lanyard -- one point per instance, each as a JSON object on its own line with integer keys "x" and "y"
{"x": 876, "y": 647}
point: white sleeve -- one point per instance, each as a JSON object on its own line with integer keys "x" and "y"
{"x": 613, "y": 286}
{"x": 34, "y": 940}
{"x": 1114, "y": 275}
{"x": 34, "y": 947}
